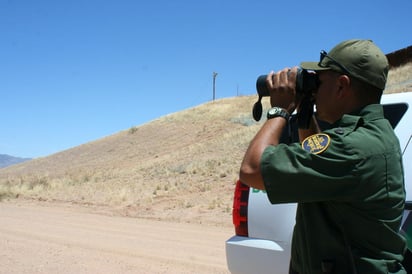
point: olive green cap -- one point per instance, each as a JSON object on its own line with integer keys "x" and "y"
{"x": 361, "y": 59}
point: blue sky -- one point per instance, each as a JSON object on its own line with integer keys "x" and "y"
{"x": 75, "y": 71}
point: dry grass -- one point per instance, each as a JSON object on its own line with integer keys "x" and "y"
{"x": 400, "y": 79}
{"x": 181, "y": 167}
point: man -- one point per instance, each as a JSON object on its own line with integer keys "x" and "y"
{"x": 347, "y": 180}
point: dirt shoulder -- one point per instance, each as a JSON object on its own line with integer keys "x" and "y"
{"x": 56, "y": 238}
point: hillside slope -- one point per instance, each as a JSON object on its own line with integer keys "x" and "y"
{"x": 180, "y": 167}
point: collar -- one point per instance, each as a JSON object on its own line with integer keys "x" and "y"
{"x": 364, "y": 115}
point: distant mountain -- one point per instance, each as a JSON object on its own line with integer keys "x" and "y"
{"x": 7, "y": 160}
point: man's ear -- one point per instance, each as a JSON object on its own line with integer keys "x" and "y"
{"x": 344, "y": 84}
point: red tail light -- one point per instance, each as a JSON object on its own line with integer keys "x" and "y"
{"x": 239, "y": 213}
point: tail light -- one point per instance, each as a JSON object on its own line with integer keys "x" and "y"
{"x": 239, "y": 213}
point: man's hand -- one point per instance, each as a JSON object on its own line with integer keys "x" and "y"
{"x": 282, "y": 88}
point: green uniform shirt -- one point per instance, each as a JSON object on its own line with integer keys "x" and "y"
{"x": 349, "y": 186}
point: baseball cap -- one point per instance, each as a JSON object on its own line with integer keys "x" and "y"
{"x": 361, "y": 59}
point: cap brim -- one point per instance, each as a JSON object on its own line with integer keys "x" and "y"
{"x": 312, "y": 66}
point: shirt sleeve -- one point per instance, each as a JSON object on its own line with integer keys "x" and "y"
{"x": 292, "y": 174}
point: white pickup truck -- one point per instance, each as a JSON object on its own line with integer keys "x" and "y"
{"x": 262, "y": 243}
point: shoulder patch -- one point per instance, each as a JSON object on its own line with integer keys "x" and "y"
{"x": 316, "y": 143}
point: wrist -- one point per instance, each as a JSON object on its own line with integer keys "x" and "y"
{"x": 278, "y": 112}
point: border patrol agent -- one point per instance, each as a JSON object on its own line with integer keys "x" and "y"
{"x": 348, "y": 179}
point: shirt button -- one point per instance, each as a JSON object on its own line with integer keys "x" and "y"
{"x": 339, "y": 130}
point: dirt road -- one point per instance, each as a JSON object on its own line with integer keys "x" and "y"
{"x": 62, "y": 239}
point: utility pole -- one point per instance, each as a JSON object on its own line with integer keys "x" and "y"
{"x": 214, "y": 85}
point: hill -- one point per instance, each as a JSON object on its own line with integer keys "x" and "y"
{"x": 7, "y": 160}
{"x": 181, "y": 167}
